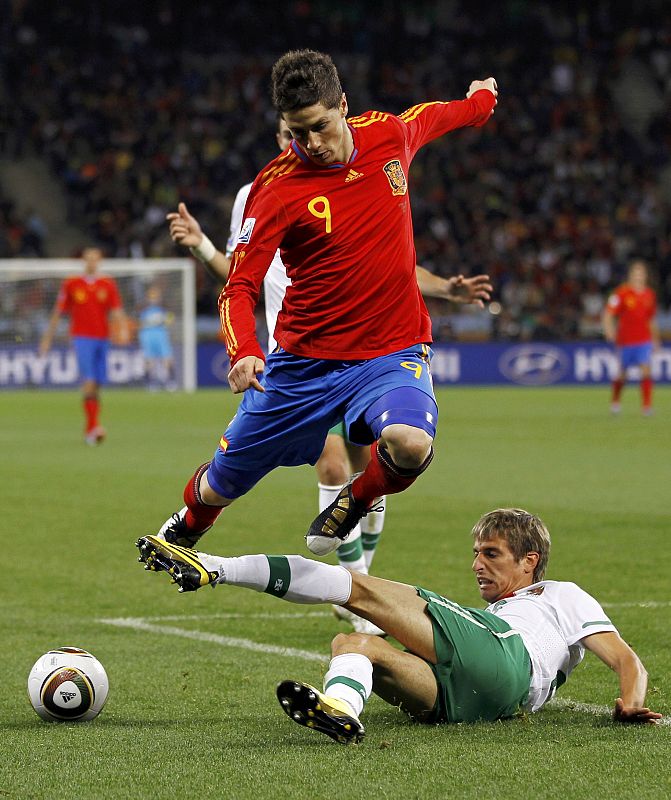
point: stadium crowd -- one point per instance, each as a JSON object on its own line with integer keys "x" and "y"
{"x": 21, "y": 234}
{"x": 139, "y": 108}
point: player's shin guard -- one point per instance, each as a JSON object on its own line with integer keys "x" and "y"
{"x": 382, "y": 476}
{"x": 199, "y": 516}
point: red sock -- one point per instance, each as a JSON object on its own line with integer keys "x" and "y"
{"x": 617, "y": 389}
{"x": 199, "y": 517}
{"x": 646, "y": 392}
{"x": 91, "y": 409}
{"x": 382, "y": 476}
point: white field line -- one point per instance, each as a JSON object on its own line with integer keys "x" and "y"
{"x": 143, "y": 624}
{"x": 224, "y": 615}
{"x": 591, "y": 708}
{"x": 140, "y": 624}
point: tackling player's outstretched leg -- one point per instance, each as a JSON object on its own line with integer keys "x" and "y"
{"x": 459, "y": 664}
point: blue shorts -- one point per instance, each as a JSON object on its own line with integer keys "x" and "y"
{"x": 155, "y": 343}
{"x": 287, "y": 424}
{"x": 91, "y": 358}
{"x": 635, "y": 355}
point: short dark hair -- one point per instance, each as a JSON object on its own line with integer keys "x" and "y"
{"x": 303, "y": 78}
{"x": 524, "y": 533}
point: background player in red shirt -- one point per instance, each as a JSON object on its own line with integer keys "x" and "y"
{"x": 629, "y": 322}
{"x": 91, "y": 300}
{"x": 353, "y": 331}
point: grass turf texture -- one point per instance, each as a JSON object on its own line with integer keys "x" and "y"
{"x": 198, "y": 717}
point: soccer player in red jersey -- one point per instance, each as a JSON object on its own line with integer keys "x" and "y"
{"x": 353, "y": 334}
{"x": 340, "y": 459}
{"x": 91, "y": 300}
{"x": 629, "y": 322}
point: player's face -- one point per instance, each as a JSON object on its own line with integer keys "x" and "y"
{"x": 497, "y": 571}
{"x": 283, "y": 135}
{"x": 92, "y": 256}
{"x": 638, "y": 275}
{"x": 322, "y": 133}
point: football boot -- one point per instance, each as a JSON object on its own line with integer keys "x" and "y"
{"x": 181, "y": 563}
{"x": 174, "y": 530}
{"x": 308, "y": 706}
{"x": 335, "y": 523}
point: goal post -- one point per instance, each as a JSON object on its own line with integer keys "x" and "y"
{"x": 28, "y": 290}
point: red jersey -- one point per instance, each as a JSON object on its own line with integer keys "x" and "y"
{"x": 88, "y": 300}
{"x": 635, "y": 311}
{"x": 345, "y": 236}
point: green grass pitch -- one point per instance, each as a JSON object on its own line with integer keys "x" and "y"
{"x": 191, "y": 710}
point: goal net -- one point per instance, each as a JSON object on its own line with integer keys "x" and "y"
{"x": 28, "y": 290}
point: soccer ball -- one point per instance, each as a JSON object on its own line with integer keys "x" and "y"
{"x": 67, "y": 685}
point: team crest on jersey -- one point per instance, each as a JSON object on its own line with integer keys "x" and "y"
{"x": 394, "y": 172}
{"x": 246, "y": 230}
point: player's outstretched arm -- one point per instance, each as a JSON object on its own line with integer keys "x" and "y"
{"x": 475, "y": 290}
{"x": 185, "y": 230}
{"x": 616, "y": 653}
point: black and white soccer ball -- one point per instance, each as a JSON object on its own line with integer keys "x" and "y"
{"x": 68, "y": 685}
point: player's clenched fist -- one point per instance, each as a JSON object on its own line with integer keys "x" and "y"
{"x": 184, "y": 229}
{"x": 243, "y": 375}
{"x": 488, "y": 83}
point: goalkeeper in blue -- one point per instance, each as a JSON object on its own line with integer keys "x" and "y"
{"x": 459, "y": 664}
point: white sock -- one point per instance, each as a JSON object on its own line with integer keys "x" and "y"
{"x": 350, "y": 678}
{"x": 327, "y": 494}
{"x": 371, "y": 529}
{"x": 293, "y": 578}
{"x": 350, "y": 553}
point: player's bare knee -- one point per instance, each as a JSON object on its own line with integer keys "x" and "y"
{"x": 332, "y": 467}
{"x": 408, "y": 447}
{"x": 332, "y": 471}
{"x": 208, "y": 494}
{"x": 362, "y": 643}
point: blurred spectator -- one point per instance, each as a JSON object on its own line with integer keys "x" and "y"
{"x": 21, "y": 235}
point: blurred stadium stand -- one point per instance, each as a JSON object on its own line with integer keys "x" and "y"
{"x": 134, "y": 107}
